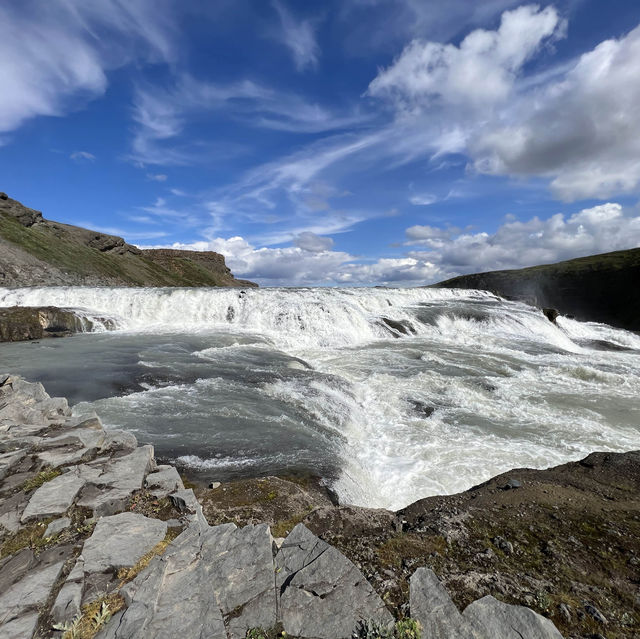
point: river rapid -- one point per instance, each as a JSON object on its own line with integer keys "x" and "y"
{"x": 390, "y": 395}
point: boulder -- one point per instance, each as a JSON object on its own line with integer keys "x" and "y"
{"x": 432, "y": 607}
{"x": 57, "y": 526}
{"x": 166, "y": 480}
{"x": 321, "y": 593}
{"x": 493, "y": 619}
{"x": 54, "y": 497}
{"x": 228, "y": 573}
{"x": 486, "y": 618}
{"x": 119, "y": 541}
{"x": 19, "y": 603}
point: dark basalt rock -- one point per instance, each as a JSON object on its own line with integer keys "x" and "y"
{"x": 19, "y": 323}
{"x": 26, "y": 216}
{"x": 597, "y": 288}
{"x": 398, "y": 327}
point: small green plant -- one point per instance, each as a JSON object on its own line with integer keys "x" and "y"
{"x": 370, "y": 629}
{"x": 407, "y": 629}
{"x": 70, "y": 628}
{"x": 102, "y": 616}
{"x": 41, "y": 478}
{"x": 273, "y": 633}
{"x": 542, "y": 600}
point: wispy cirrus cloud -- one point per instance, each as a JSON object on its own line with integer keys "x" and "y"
{"x": 55, "y": 56}
{"x": 82, "y": 156}
{"x": 298, "y": 36}
{"x": 425, "y": 199}
{"x": 162, "y": 115}
{"x": 157, "y": 177}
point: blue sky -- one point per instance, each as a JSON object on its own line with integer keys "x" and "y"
{"x": 352, "y": 142}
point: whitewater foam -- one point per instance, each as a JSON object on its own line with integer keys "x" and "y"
{"x": 409, "y": 392}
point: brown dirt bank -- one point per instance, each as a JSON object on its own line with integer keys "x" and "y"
{"x": 565, "y": 542}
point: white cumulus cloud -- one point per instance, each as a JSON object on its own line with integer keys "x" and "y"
{"x": 582, "y": 131}
{"x": 481, "y": 70}
{"x": 515, "y": 244}
{"x": 309, "y": 241}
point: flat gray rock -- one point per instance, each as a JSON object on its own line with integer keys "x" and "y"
{"x": 431, "y": 605}
{"x": 64, "y": 456}
{"x": 156, "y": 602}
{"x": 108, "y": 493}
{"x": 26, "y": 596}
{"x": 493, "y": 619}
{"x": 11, "y": 510}
{"x": 164, "y": 481}
{"x": 57, "y": 526}
{"x": 69, "y": 600}
{"x": 120, "y": 541}
{"x": 229, "y": 575}
{"x": 88, "y": 434}
{"x": 240, "y": 562}
{"x": 9, "y": 460}
{"x": 20, "y": 628}
{"x": 321, "y": 593}
{"x": 119, "y": 440}
{"x": 54, "y": 497}
{"x": 486, "y": 618}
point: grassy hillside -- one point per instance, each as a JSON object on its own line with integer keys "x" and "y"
{"x": 35, "y": 251}
{"x": 602, "y": 288}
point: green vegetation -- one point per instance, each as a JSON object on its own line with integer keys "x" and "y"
{"x": 79, "y": 253}
{"x": 272, "y": 633}
{"x": 404, "y": 629}
{"x": 30, "y": 536}
{"x": 94, "y": 617}
{"x": 41, "y": 478}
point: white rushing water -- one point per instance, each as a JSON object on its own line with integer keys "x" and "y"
{"x": 394, "y": 394}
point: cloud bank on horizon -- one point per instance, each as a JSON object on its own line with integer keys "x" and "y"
{"x": 368, "y": 142}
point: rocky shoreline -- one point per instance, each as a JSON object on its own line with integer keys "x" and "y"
{"x": 22, "y": 323}
{"x": 97, "y": 539}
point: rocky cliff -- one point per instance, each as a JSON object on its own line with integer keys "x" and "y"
{"x": 39, "y": 252}
{"x": 600, "y": 288}
{"x": 18, "y": 323}
{"x": 97, "y": 539}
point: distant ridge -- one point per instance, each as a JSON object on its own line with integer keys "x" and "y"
{"x": 600, "y": 288}
{"x": 39, "y": 252}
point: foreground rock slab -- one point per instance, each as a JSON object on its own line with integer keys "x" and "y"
{"x": 321, "y": 593}
{"x": 486, "y": 618}
{"x": 55, "y": 497}
{"x": 119, "y": 541}
{"x": 229, "y": 577}
{"x": 211, "y": 581}
{"x": 19, "y": 605}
